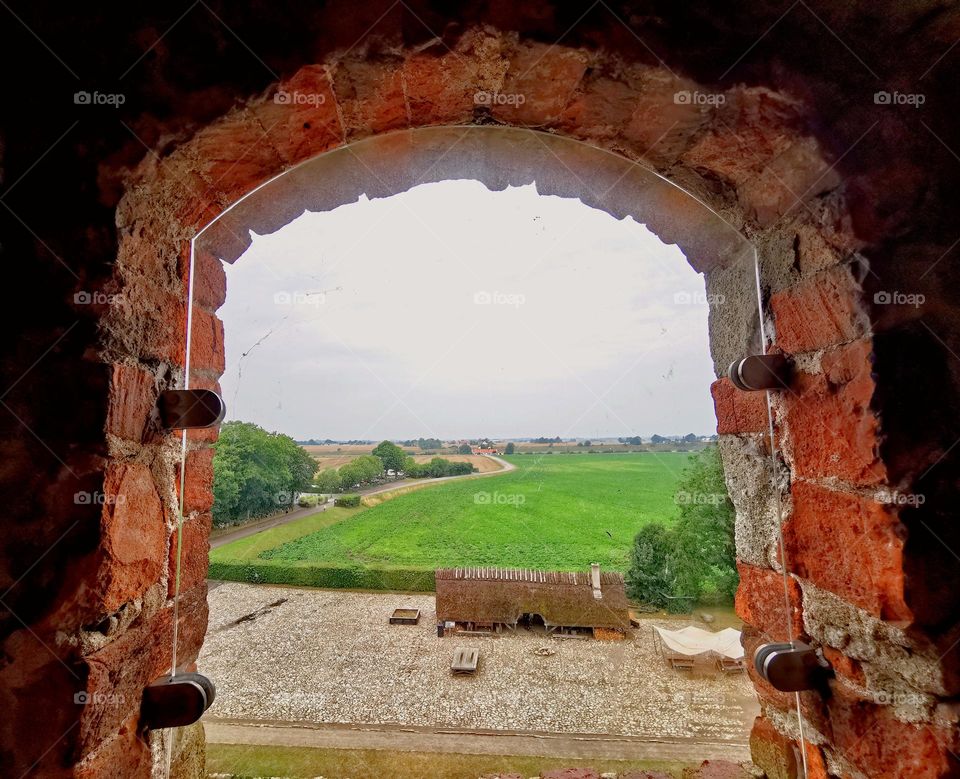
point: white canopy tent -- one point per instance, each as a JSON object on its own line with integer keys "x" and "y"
{"x": 692, "y": 641}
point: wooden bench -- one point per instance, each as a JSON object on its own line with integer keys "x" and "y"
{"x": 465, "y": 660}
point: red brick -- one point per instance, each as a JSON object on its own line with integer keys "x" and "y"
{"x": 600, "y": 109}
{"x": 570, "y": 773}
{"x": 546, "y": 77}
{"x": 441, "y": 89}
{"x": 833, "y": 430}
{"x": 198, "y": 481}
{"x": 206, "y": 346}
{"x": 305, "y": 125}
{"x": 370, "y": 95}
{"x": 871, "y": 738}
{"x": 738, "y": 411}
{"x": 133, "y": 534}
{"x": 209, "y": 278}
{"x": 119, "y": 671}
{"x": 816, "y": 762}
{"x": 772, "y": 752}
{"x": 660, "y": 126}
{"x": 850, "y": 545}
{"x": 133, "y": 396}
{"x": 844, "y": 666}
{"x": 825, "y": 310}
{"x": 235, "y": 155}
{"x": 194, "y": 555}
{"x": 754, "y": 126}
{"x": 126, "y": 755}
{"x": 760, "y": 602}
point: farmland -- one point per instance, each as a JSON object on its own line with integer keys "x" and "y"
{"x": 560, "y": 512}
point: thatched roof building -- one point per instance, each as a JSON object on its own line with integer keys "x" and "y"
{"x": 503, "y": 596}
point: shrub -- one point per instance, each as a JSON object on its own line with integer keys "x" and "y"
{"x": 347, "y": 501}
{"x": 308, "y": 501}
{"x": 318, "y": 575}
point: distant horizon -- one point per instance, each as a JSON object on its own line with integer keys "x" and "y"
{"x": 516, "y": 439}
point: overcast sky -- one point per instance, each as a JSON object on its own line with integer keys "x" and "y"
{"x": 451, "y": 311}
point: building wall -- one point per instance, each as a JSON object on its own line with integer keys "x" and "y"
{"x": 847, "y": 199}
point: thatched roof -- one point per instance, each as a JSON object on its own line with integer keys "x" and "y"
{"x": 505, "y": 594}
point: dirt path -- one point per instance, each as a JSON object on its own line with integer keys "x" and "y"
{"x": 471, "y": 742}
{"x": 252, "y": 528}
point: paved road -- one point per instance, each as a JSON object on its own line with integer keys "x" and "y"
{"x": 260, "y": 525}
{"x": 470, "y": 742}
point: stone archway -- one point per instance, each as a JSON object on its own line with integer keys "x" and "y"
{"x": 881, "y": 614}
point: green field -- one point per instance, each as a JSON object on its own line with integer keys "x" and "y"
{"x": 560, "y": 512}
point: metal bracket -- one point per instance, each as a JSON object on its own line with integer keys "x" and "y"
{"x": 760, "y": 372}
{"x": 175, "y": 701}
{"x": 791, "y": 667}
{"x": 194, "y": 408}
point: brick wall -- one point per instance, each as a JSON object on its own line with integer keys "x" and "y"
{"x": 845, "y": 200}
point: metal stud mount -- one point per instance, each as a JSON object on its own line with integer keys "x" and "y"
{"x": 791, "y": 667}
{"x": 760, "y": 372}
{"x": 175, "y": 701}
{"x": 193, "y": 408}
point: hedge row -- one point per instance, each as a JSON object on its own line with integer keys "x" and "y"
{"x": 328, "y": 576}
{"x": 347, "y": 501}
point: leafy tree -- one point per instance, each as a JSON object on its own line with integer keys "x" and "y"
{"x": 510, "y": 449}
{"x": 256, "y": 472}
{"x": 391, "y": 456}
{"x": 464, "y": 449}
{"x": 328, "y": 481}
{"x": 657, "y": 439}
{"x": 705, "y": 528}
{"x": 690, "y": 438}
{"x": 365, "y": 469}
{"x": 671, "y": 567}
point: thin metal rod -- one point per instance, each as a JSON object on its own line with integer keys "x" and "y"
{"x": 774, "y": 473}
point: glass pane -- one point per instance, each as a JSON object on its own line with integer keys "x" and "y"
{"x": 468, "y": 381}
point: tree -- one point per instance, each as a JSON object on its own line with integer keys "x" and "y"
{"x": 256, "y": 472}
{"x": 327, "y": 481}
{"x": 690, "y": 438}
{"x": 391, "y": 456}
{"x": 705, "y": 528}
{"x": 510, "y": 448}
{"x": 464, "y": 449}
{"x": 657, "y": 439}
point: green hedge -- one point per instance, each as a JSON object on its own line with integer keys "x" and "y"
{"x": 347, "y": 501}
{"x": 328, "y": 576}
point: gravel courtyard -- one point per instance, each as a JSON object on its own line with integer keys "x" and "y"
{"x": 327, "y": 656}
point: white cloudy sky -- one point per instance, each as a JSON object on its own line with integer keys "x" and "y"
{"x": 453, "y": 311}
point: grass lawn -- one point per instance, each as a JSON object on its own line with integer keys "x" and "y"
{"x": 258, "y": 761}
{"x": 555, "y": 511}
